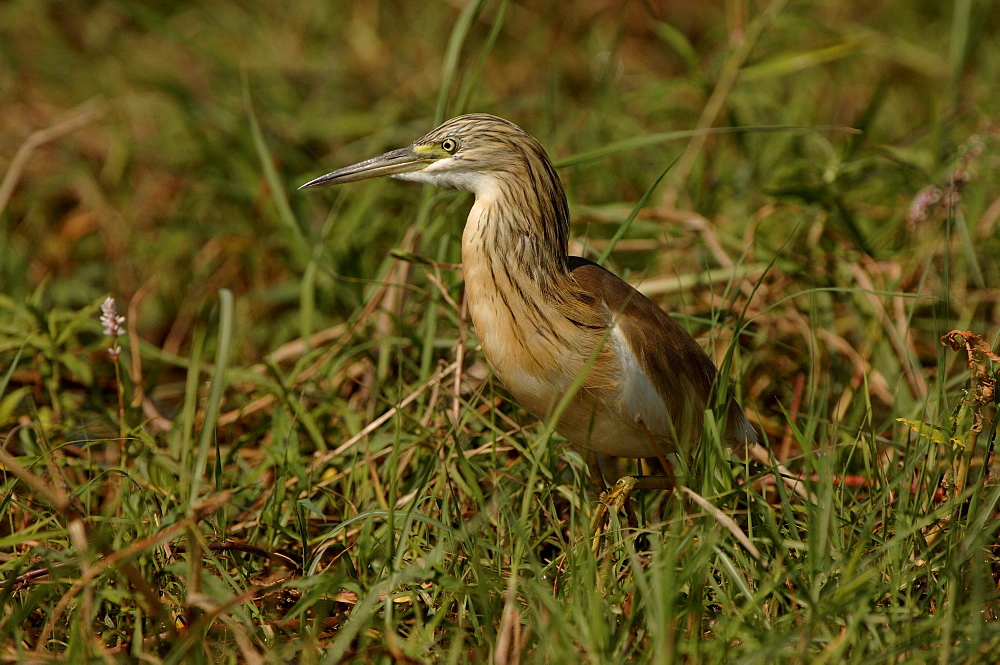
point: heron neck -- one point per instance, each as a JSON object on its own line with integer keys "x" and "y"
{"x": 521, "y": 232}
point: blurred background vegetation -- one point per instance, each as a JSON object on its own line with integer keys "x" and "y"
{"x": 163, "y": 188}
{"x": 152, "y": 150}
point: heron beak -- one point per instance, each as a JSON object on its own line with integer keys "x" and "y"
{"x": 394, "y": 162}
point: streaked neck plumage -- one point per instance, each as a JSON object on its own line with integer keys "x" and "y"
{"x": 520, "y": 220}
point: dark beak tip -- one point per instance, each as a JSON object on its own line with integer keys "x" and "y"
{"x": 315, "y": 182}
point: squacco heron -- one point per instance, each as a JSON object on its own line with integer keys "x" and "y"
{"x": 546, "y": 320}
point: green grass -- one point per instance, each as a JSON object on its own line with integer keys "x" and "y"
{"x": 284, "y": 466}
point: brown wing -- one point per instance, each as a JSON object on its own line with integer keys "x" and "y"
{"x": 677, "y": 367}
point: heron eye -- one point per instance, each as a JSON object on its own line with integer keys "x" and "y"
{"x": 449, "y": 145}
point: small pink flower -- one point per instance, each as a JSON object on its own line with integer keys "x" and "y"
{"x": 922, "y": 202}
{"x": 113, "y": 325}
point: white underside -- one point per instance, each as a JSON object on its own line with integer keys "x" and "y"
{"x": 639, "y": 399}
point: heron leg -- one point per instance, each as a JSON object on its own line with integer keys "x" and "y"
{"x": 615, "y": 498}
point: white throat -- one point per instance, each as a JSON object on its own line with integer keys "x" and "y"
{"x": 446, "y": 173}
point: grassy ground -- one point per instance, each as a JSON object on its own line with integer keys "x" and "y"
{"x": 299, "y": 454}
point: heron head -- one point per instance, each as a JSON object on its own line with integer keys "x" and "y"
{"x": 468, "y": 152}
